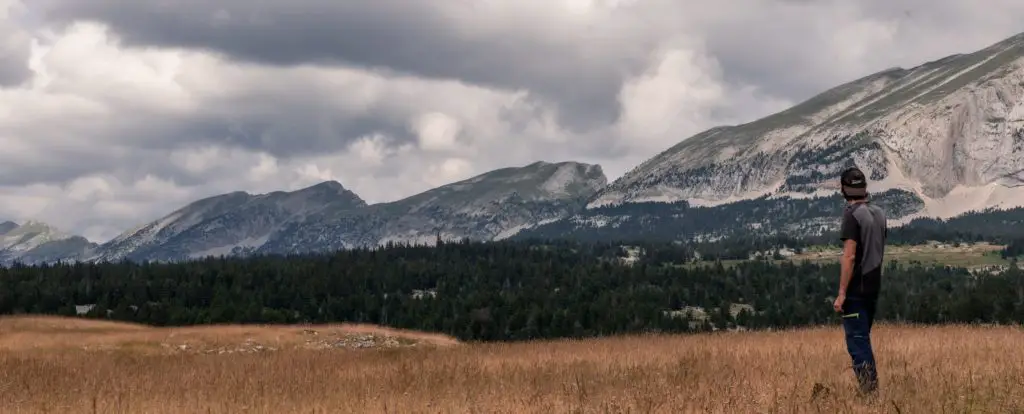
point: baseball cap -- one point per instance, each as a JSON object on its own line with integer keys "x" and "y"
{"x": 854, "y": 183}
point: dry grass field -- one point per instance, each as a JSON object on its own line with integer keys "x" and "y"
{"x": 50, "y": 365}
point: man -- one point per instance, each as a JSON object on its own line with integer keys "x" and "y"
{"x": 863, "y": 232}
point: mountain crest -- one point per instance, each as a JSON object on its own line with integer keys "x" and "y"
{"x": 328, "y": 189}
{"x": 35, "y": 241}
{"x": 326, "y": 185}
{"x": 950, "y": 131}
{"x": 226, "y": 224}
{"x": 327, "y": 216}
{"x": 7, "y": 226}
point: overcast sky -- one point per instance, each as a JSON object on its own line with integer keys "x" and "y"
{"x": 114, "y": 113}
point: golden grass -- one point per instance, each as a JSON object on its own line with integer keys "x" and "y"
{"x": 922, "y": 370}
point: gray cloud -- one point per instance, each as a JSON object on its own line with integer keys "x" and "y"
{"x": 787, "y": 48}
{"x": 12, "y": 73}
{"x": 158, "y": 103}
{"x": 14, "y": 45}
{"x": 578, "y": 66}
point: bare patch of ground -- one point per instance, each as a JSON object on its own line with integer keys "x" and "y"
{"x": 42, "y": 333}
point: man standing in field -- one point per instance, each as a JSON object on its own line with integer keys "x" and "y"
{"x": 863, "y": 232}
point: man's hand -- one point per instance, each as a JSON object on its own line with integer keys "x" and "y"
{"x": 838, "y": 304}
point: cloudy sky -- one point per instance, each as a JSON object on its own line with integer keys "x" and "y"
{"x": 115, "y": 112}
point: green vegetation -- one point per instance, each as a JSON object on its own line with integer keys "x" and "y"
{"x": 503, "y": 291}
{"x": 959, "y": 255}
{"x": 990, "y": 225}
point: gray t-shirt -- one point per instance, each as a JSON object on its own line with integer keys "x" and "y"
{"x": 866, "y": 224}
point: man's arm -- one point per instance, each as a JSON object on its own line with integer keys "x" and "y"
{"x": 849, "y": 233}
{"x": 846, "y": 265}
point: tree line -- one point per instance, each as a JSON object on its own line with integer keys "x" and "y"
{"x": 500, "y": 291}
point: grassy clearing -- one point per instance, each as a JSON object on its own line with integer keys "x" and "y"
{"x": 39, "y": 334}
{"x": 966, "y": 255}
{"x": 923, "y": 370}
{"x": 970, "y": 256}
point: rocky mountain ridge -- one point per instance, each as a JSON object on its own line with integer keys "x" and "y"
{"x": 37, "y": 242}
{"x": 949, "y": 131}
{"x": 233, "y": 223}
{"x": 327, "y": 216}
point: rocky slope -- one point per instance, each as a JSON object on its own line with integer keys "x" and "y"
{"x": 327, "y": 216}
{"x": 938, "y": 140}
{"x": 35, "y": 242}
{"x": 228, "y": 224}
{"x": 949, "y": 131}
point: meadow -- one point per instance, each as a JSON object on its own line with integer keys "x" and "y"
{"x": 968, "y": 255}
{"x": 57, "y": 365}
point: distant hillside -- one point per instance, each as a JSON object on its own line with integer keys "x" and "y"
{"x": 36, "y": 242}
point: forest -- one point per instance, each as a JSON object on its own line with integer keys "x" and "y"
{"x": 502, "y": 290}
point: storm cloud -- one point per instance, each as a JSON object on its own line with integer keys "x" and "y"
{"x": 113, "y": 113}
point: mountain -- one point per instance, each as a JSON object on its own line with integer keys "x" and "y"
{"x": 228, "y": 224}
{"x": 937, "y": 140}
{"x": 36, "y": 242}
{"x": 490, "y": 206}
{"x": 7, "y": 226}
{"x": 327, "y": 216}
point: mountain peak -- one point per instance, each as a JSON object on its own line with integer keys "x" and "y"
{"x": 39, "y": 227}
{"x": 227, "y": 223}
{"x": 329, "y": 191}
{"x": 28, "y": 236}
{"x": 7, "y": 226}
{"x": 329, "y": 184}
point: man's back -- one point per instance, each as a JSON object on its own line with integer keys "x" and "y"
{"x": 866, "y": 224}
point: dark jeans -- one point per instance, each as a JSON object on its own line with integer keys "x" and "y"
{"x": 858, "y": 316}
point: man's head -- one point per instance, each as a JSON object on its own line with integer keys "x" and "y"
{"x": 853, "y": 184}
